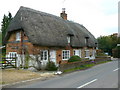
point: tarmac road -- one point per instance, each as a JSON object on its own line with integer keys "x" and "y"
{"x": 100, "y": 76}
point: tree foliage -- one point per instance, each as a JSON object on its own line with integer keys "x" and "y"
{"x": 5, "y": 22}
{"x": 107, "y": 43}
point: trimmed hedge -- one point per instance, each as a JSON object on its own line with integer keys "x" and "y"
{"x": 74, "y": 58}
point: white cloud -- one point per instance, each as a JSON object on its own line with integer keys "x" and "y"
{"x": 96, "y": 15}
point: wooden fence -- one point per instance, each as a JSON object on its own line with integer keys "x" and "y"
{"x": 8, "y": 62}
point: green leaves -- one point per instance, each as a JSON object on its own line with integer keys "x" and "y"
{"x": 4, "y": 26}
{"x": 74, "y": 59}
{"x": 5, "y": 23}
{"x": 51, "y": 66}
{"x": 107, "y": 43}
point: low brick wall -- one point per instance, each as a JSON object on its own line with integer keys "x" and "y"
{"x": 71, "y": 65}
{"x": 100, "y": 59}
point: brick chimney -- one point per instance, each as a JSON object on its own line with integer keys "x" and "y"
{"x": 63, "y": 14}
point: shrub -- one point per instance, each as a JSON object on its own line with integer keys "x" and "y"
{"x": 101, "y": 54}
{"x": 116, "y": 52}
{"x": 74, "y": 58}
{"x": 51, "y": 66}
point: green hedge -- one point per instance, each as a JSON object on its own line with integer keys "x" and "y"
{"x": 74, "y": 58}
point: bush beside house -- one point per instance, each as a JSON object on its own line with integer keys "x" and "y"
{"x": 74, "y": 58}
{"x": 51, "y": 66}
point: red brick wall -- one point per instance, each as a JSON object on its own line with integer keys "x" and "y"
{"x": 10, "y": 46}
{"x": 14, "y": 46}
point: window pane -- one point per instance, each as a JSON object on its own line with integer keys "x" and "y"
{"x": 41, "y": 58}
{"x": 74, "y": 52}
{"x": 63, "y": 55}
{"x": 45, "y": 58}
{"x": 45, "y": 53}
{"x": 10, "y": 54}
{"x": 41, "y": 55}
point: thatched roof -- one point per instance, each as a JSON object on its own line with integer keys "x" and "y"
{"x": 48, "y": 30}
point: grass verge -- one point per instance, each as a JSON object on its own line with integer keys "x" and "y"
{"x": 86, "y": 66}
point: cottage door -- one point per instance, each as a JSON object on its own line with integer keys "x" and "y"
{"x": 53, "y": 56}
{"x": 44, "y": 57}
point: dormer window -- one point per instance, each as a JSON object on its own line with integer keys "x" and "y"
{"x": 68, "y": 39}
{"x": 18, "y": 38}
{"x": 86, "y": 41}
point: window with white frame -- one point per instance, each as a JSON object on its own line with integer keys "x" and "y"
{"x": 77, "y": 52}
{"x": 87, "y": 53}
{"x": 44, "y": 55}
{"x": 65, "y": 54}
{"x": 18, "y": 38}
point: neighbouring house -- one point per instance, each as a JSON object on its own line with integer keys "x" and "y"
{"x": 51, "y": 37}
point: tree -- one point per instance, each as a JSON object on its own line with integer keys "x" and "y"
{"x": 107, "y": 43}
{"x": 4, "y": 26}
{"x": 5, "y": 23}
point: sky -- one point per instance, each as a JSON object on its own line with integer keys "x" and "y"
{"x": 100, "y": 17}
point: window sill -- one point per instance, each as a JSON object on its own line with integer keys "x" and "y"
{"x": 18, "y": 40}
{"x": 65, "y": 59}
{"x": 87, "y": 57}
